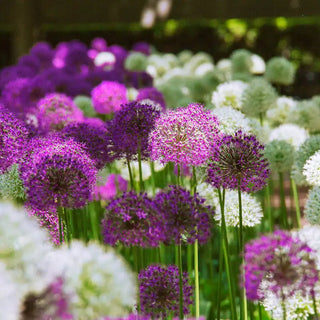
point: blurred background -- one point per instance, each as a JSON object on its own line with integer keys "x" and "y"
{"x": 290, "y": 28}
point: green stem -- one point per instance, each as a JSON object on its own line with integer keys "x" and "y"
{"x": 268, "y": 205}
{"x": 60, "y": 225}
{"x": 153, "y": 178}
{"x": 260, "y": 311}
{"x": 296, "y": 202}
{"x": 67, "y": 224}
{"x": 220, "y": 276}
{"x": 314, "y": 305}
{"x": 261, "y": 119}
{"x": 180, "y": 282}
{"x": 283, "y": 305}
{"x": 283, "y": 202}
{"x": 130, "y": 174}
{"x": 196, "y": 276}
{"x": 178, "y": 175}
{"x": 141, "y": 184}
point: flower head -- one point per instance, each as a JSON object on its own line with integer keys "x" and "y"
{"x": 237, "y": 161}
{"x": 136, "y": 61}
{"x": 312, "y": 207}
{"x": 84, "y": 103}
{"x": 280, "y": 71}
{"x": 159, "y": 291}
{"x": 152, "y": 94}
{"x": 311, "y": 169}
{"x": 241, "y": 61}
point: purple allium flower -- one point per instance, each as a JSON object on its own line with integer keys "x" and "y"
{"x": 58, "y": 174}
{"x": 238, "y": 159}
{"x": 30, "y": 61}
{"x": 44, "y": 54}
{"x": 95, "y": 139}
{"x": 185, "y": 217}
{"x": 13, "y": 137}
{"x": 142, "y": 47}
{"x": 130, "y": 129}
{"x": 138, "y": 79}
{"x": 132, "y": 219}
{"x": 108, "y": 96}
{"x": 55, "y": 111}
{"x": 285, "y": 264}
{"x": 159, "y": 291}
{"x": 99, "y": 44}
{"x": 120, "y": 53}
{"x": 184, "y": 136}
{"x": 114, "y": 184}
{"x": 51, "y": 304}
{"x": 152, "y": 94}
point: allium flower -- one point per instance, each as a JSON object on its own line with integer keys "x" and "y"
{"x": 105, "y": 59}
{"x": 108, "y": 97}
{"x": 152, "y": 94}
{"x": 284, "y": 263}
{"x": 229, "y": 94}
{"x": 280, "y": 71}
{"x": 258, "y": 97}
{"x": 10, "y": 295}
{"x": 279, "y": 114}
{"x": 84, "y": 103}
{"x": 237, "y": 161}
{"x": 159, "y": 291}
{"x": 136, "y": 61}
{"x": 185, "y": 216}
{"x": 98, "y": 282}
{"x": 11, "y": 186}
{"x": 59, "y": 174}
{"x": 134, "y": 220}
{"x": 311, "y": 169}
{"x": 231, "y": 120}
{"x": 279, "y": 154}
{"x": 23, "y": 246}
{"x": 241, "y": 61}
{"x": 224, "y": 67}
{"x": 55, "y": 111}
{"x": 258, "y": 65}
{"x": 51, "y": 304}
{"x": 130, "y": 129}
{"x": 305, "y": 151}
{"x": 290, "y": 133}
{"x": 13, "y": 136}
{"x": 184, "y": 136}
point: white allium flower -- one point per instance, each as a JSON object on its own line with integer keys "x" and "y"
{"x": 98, "y": 282}
{"x": 291, "y": 133}
{"x": 203, "y": 69}
{"x": 311, "y": 169}
{"x": 23, "y": 247}
{"x": 225, "y": 67}
{"x": 231, "y": 120}
{"x": 229, "y": 94}
{"x": 160, "y": 65}
{"x": 175, "y": 73}
{"x": 10, "y": 295}
{"x": 104, "y": 58}
{"x": 258, "y": 65}
{"x": 279, "y": 114}
{"x": 251, "y": 209}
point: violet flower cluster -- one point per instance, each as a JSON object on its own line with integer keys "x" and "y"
{"x": 152, "y": 94}
{"x": 159, "y": 291}
{"x": 238, "y": 161}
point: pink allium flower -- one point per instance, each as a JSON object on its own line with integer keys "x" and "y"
{"x": 184, "y": 136}
{"x": 108, "y": 96}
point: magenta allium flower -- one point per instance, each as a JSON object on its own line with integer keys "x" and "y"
{"x": 285, "y": 264}
{"x": 238, "y": 160}
{"x": 114, "y": 184}
{"x": 185, "y": 217}
{"x": 13, "y": 137}
{"x": 184, "y": 136}
{"x": 58, "y": 174}
{"x": 55, "y": 111}
{"x": 133, "y": 220}
{"x": 159, "y": 291}
{"x": 130, "y": 128}
{"x": 108, "y": 97}
{"x": 152, "y": 94}
{"x": 94, "y": 138}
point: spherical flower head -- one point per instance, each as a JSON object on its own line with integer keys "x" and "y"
{"x": 142, "y": 47}
{"x": 279, "y": 154}
{"x": 284, "y": 263}
{"x": 184, "y": 136}
{"x": 60, "y": 174}
{"x": 280, "y": 113}
{"x": 196, "y": 60}
{"x": 231, "y": 120}
{"x": 108, "y": 97}
{"x": 11, "y": 186}
{"x": 84, "y": 103}
{"x": 311, "y": 169}
{"x": 258, "y": 97}
{"x": 152, "y": 94}
{"x": 55, "y": 111}
{"x": 136, "y": 61}
{"x": 258, "y": 65}
{"x": 95, "y": 140}
{"x": 23, "y": 246}
{"x": 133, "y": 220}
{"x": 13, "y": 137}
{"x": 305, "y": 151}
{"x": 130, "y": 129}
{"x": 241, "y": 61}
{"x": 290, "y": 133}
{"x": 159, "y": 291}
{"x": 99, "y": 44}
{"x": 185, "y": 216}
{"x": 97, "y": 281}
{"x": 237, "y": 161}
{"x": 312, "y": 207}
{"x": 229, "y": 94}
{"x": 280, "y": 71}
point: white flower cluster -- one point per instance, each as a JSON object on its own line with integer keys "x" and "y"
{"x": 279, "y": 114}
{"x": 311, "y": 169}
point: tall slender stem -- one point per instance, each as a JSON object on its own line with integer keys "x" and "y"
{"x": 180, "y": 282}
{"x": 60, "y": 225}
{"x": 283, "y": 305}
{"x": 130, "y": 174}
{"x": 268, "y": 205}
{"x": 314, "y": 304}
{"x": 220, "y": 276}
{"x": 141, "y": 185}
{"x": 283, "y": 202}
{"x": 296, "y": 202}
